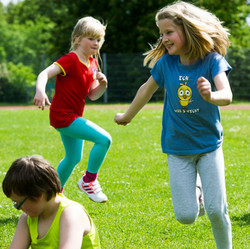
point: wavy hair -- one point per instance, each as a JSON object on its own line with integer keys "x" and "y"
{"x": 203, "y": 30}
{"x": 88, "y": 27}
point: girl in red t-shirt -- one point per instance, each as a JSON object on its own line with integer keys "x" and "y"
{"x": 77, "y": 77}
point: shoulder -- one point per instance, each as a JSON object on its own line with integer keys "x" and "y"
{"x": 24, "y": 217}
{"x": 75, "y": 218}
{"x": 68, "y": 57}
{"x": 217, "y": 63}
{"x": 214, "y": 57}
{"x": 168, "y": 59}
{"x": 74, "y": 212}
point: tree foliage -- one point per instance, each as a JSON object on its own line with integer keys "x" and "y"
{"x": 34, "y": 31}
{"x": 130, "y": 23}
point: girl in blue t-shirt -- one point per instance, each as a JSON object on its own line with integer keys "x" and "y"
{"x": 188, "y": 61}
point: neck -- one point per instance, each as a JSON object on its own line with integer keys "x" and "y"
{"x": 186, "y": 61}
{"x": 51, "y": 207}
{"x": 82, "y": 56}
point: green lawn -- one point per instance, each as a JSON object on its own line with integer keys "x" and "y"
{"x": 139, "y": 213}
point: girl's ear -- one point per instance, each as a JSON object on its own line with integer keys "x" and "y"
{"x": 41, "y": 197}
{"x": 77, "y": 40}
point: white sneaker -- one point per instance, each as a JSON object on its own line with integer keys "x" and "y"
{"x": 93, "y": 190}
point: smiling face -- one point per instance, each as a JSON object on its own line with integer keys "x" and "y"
{"x": 173, "y": 37}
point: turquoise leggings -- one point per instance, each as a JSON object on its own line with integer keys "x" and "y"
{"x": 73, "y": 138}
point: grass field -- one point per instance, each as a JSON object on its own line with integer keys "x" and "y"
{"x": 139, "y": 213}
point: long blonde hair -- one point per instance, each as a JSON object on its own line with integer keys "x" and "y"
{"x": 203, "y": 30}
{"x": 88, "y": 27}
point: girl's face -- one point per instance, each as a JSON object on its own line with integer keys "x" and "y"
{"x": 173, "y": 37}
{"x": 32, "y": 208}
{"x": 88, "y": 45}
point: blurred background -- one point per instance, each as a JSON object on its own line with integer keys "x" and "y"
{"x": 35, "y": 33}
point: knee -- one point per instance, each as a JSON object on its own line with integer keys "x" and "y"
{"x": 186, "y": 217}
{"x": 73, "y": 159}
{"x": 107, "y": 140}
{"x": 216, "y": 214}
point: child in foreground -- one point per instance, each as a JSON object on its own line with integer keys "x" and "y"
{"x": 188, "y": 61}
{"x": 49, "y": 220}
{"x": 78, "y": 77}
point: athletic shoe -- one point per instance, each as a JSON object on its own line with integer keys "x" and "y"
{"x": 93, "y": 190}
{"x": 201, "y": 201}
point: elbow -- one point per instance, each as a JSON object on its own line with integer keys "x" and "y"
{"x": 229, "y": 99}
{"x": 226, "y": 97}
{"x": 92, "y": 98}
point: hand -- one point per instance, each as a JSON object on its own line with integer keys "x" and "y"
{"x": 204, "y": 88}
{"x": 101, "y": 78}
{"x": 121, "y": 119}
{"x": 40, "y": 99}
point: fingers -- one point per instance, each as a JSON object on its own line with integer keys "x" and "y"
{"x": 101, "y": 78}
{"x": 120, "y": 119}
{"x": 40, "y": 101}
{"x": 121, "y": 123}
{"x": 47, "y": 101}
{"x": 204, "y": 88}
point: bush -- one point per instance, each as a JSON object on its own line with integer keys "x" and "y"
{"x": 14, "y": 82}
{"x": 240, "y": 75}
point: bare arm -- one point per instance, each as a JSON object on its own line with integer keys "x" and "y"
{"x": 223, "y": 96}
{"x": 142, "y": 97}
{"x": 74, "y": 224}
{"x": 41, "y": 97}
{"x": 21, "y": 238}
{"x": 98, "y": 87}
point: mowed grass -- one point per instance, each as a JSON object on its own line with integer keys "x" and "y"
{"x": 139, "y": 213}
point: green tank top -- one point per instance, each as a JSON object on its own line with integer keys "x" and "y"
{"x": 51, "y": 239}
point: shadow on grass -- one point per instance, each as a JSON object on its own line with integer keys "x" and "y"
{"x": 5, "y": 221}
{"x": 242, "y": 220}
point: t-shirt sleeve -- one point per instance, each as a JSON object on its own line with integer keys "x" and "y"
{"x": 219, "y": 64}
{"x": 65, "y": 63}
{"x": 157, "y": 74}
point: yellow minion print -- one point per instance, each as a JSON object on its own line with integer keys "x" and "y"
{"x": 184, "y": 94}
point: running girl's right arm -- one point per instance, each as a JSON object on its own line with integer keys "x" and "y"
{"x": 41, "y": 97}
{"x": 142, "y": 97}
{"x": 21, "y": 239}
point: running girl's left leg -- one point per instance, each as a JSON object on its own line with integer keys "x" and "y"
{"x": 73, "y": 155}
{"x": 86, "y": 130}
{"x": 211, "y": 169}
{"x": 182, "y": 177}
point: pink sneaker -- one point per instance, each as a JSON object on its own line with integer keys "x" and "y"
{"x": 93, "y": 190}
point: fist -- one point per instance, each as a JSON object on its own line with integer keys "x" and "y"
{"x": 204, "y": 88}
{"x": 121, "y": 119}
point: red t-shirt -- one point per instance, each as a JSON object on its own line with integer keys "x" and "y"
{"x": 71, "y": 89}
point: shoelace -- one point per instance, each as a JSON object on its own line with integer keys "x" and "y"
{"x": 92, "y": 187}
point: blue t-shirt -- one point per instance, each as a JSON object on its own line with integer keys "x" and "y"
{"x": 190, "y": 125}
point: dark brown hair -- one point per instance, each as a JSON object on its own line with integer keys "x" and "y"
{"x": 31, "y": 176}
